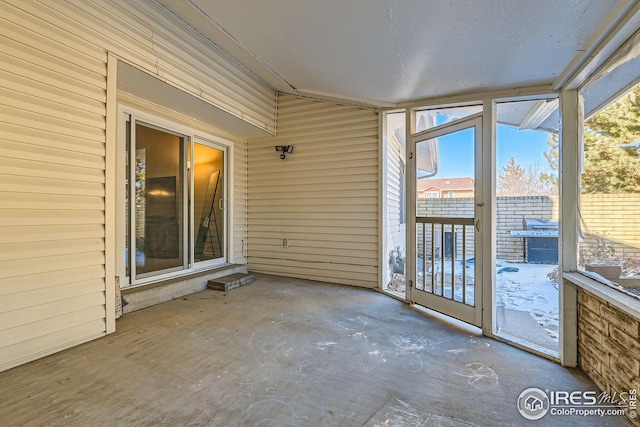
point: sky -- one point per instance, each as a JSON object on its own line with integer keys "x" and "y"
{"x": 527, "y": 146}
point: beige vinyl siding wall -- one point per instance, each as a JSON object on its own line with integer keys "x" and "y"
{"x": 52, "y": 187}
{"x": 323, "y": 197}
{"x": 395, "y": 231}
{"x": 152, "y": 39}
{"x": 53, "y": 132}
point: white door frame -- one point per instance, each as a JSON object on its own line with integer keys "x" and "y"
{"x": 448, "y": 307}
{"x": 153, "y": 118}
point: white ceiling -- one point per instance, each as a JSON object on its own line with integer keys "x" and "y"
{"x": 386, "y": 52}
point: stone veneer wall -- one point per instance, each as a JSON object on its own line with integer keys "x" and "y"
{"x": 608, "y": 346}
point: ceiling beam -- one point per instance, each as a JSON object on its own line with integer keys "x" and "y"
{"x": 618, "y": 26}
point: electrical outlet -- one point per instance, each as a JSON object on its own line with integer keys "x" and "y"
{"x": 284, "y": 243}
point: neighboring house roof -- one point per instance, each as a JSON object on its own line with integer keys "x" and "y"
{"x": 445, "y": 184}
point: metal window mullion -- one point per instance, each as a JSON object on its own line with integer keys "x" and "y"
{"x": 190, "y": 194}
{"x": 185, "y": 198}
{"x": 133, "y": 267}
{"x": 424, "y": 257}
{"x": 453, "y": 261}
{"x": 442, "y": 260}
{"x": 433, "y": 258}
{"x": 464, "y": 264}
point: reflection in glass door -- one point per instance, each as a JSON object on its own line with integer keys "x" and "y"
{"x": 157, "y": 211}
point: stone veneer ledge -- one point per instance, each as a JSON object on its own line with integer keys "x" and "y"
{"x": 608, "y": 336}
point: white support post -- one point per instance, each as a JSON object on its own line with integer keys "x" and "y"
{"x": 487, "y": 213}
{"x": 571, "y": 110}
{"x": 382, "y": 203}
{"x": 410, "y": 259}
{"x": 110, "y": 195}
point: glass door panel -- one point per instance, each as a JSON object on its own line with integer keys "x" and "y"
{"x": 208, "y": 203}
{"x": 526, "y": 240}
{"x": 158, "y": 206}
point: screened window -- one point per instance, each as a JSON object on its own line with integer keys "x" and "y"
{"x": 609, "y": 249}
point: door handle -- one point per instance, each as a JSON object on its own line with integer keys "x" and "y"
{"x": 220, "y": 203}
{"x": 478, "y": 225}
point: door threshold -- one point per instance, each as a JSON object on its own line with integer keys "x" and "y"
{"x": 451, "y": 321}
{"x": 538, "y": 350}
{"x": 393, "y": 295}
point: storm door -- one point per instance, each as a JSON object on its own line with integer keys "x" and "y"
{"x": 446, "y": 225}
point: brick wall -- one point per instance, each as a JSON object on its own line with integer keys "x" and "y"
{"x": 614, "y": 216}
{"x": 456, "y": 208}
{"x": 608, "y": 345}
{"x": 511, "y": 213}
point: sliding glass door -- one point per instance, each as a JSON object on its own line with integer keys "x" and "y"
{"x": 175, "y": 202}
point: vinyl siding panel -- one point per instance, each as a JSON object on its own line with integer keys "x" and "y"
{"x": 323, "y": 197}
{"x": 395, "y": 229}
{"x": 40, "y": 75}
{"x": 53, "y": 132}
{"x": 85, "y": 298}
{"x": 29, "y": 282}
{"x": 24, "y": 252}
{"x": 51, "y": 148}
{"x": 53, "y": 339}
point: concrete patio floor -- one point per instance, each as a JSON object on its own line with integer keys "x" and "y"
{"x": 285, "y": 352}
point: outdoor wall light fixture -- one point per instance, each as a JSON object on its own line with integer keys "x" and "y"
{"x": 284, "y": 149}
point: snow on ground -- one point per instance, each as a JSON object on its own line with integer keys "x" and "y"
{"x": 529, "y": 289}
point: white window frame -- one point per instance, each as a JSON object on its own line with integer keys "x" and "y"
{"x": 225, "y": 242}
